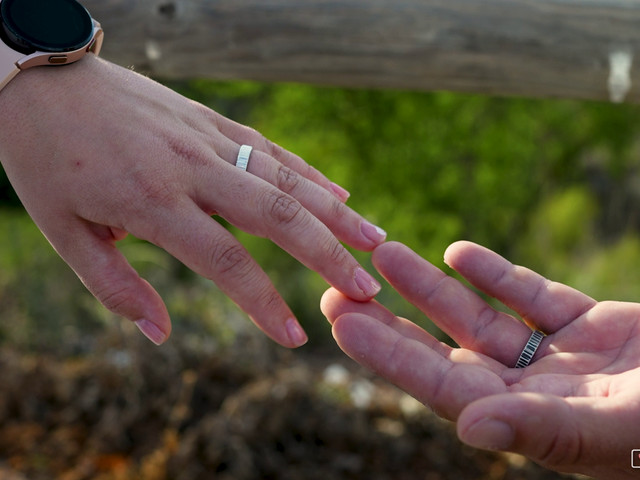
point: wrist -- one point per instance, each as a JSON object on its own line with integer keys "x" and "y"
{"x": 34, "y": 33}
{"x": 42, "y": 85}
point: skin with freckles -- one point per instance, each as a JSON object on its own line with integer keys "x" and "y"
{"x": 96, "y": 151}
{"x": 575, "y": 408}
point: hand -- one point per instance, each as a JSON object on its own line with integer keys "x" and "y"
{"x": 575, "y": 408}
{"x": 95, "y": 151}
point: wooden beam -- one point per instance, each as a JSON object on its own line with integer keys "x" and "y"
{"x": 587, "y": 49}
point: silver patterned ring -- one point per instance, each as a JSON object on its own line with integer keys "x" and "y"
{"x": 530, "y": 349}
{"x": 243, "y": 157}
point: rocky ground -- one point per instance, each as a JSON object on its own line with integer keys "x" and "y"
{"x": 246, "y": 412}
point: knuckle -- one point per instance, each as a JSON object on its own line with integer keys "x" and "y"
{"x": 563, "y": 449}
{"x": 186, "y": 153}
{"x": 285, "y": 157}
{"x": 155, "y": 192}
{"x": 286, "y": 179}
{"x": 310, "y": 171}
{"x": 485, "y": 318}
{"x": 282, "y": 209}
{"x": 538, "y": 289}
{"x": 231, "y": 258}
{"x": 435, "y": 292}
{"x": 339, "y": 210}
{"x": 441, "y": 402}
{"x": 336, "y": 253}
{"x": 269, "y": 299}
{"x": 273, "y": 149}
{"x": 206, "y": 113}
{"x": 114, "y": 299}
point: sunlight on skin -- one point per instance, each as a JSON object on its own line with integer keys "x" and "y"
{"x": 156, "y": 165}
{"x": 572, "y": 409}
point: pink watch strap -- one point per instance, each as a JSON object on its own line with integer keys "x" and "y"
{"x": 8, "y": 64}
{"x": 12, "y": 62}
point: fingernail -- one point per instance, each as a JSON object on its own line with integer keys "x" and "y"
{"x": 489, "y": 434}
{"x": 339, "y": 192}
{"x": 369, "y": 285}
{"x": 151, "y": 331}
{"x": 373, "y": 233}
{"x": 296, "y": 333}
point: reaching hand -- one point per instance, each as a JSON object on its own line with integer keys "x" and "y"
{"x": 574, "y": 408}
{"x": 95, "y": 151}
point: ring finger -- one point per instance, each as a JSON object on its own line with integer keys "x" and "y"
{"x": 241, "y": 134}
{"x": 347, "y": 225}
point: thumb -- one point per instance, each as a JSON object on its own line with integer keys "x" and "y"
{"x": 565, "y": 434}
{"x": 107, "y": 274}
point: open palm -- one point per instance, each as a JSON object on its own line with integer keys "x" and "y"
{"x": 575, "y": 408}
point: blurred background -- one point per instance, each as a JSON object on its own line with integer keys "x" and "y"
{"x": 550, "y": 184}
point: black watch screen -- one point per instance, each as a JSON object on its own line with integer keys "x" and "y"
{"x": 46, "y": 25}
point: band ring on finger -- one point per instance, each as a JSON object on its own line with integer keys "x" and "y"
{"x": 530, "y": 349}
{"x": 242, "y": 162}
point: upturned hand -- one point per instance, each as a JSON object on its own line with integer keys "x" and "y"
{"x": 574, "y": 408}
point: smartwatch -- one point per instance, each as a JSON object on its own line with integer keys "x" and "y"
{"x": 44, "y": 32}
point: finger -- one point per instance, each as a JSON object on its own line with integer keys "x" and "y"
{"x": 210, "y": 250}
{"x": 205, "y": 167}
{"x": 570, "y": 434}
{"x": 258, "y": 208}
{"x": 445, "y": 386}
{"x": 546, "y": 305}
{"x": 347, "y": 225}
{"x": 334, "y": 304}
{"x": 458, "y": 311}
{"x": 243, "y": 135}
{"x": 110, "y": 278}
{"x": 297, "y": 164}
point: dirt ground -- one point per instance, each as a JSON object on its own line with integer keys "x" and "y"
{"x": 251, "y": 411}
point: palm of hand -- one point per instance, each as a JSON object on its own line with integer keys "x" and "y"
{"x": 574, "y": 408}
{"x": 594, "y": 355}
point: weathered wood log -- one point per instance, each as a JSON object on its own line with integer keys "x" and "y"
{"x": 540, "y": 48}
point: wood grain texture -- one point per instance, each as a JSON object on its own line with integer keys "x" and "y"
{"x": 539, "y": 48}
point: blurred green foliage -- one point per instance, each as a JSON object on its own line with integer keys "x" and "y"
{"x": 551, "y": 184}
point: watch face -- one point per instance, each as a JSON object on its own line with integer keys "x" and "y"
{"x": 47, "y": 25}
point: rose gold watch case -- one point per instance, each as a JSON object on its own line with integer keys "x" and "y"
{"x": 12, "y": 62}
